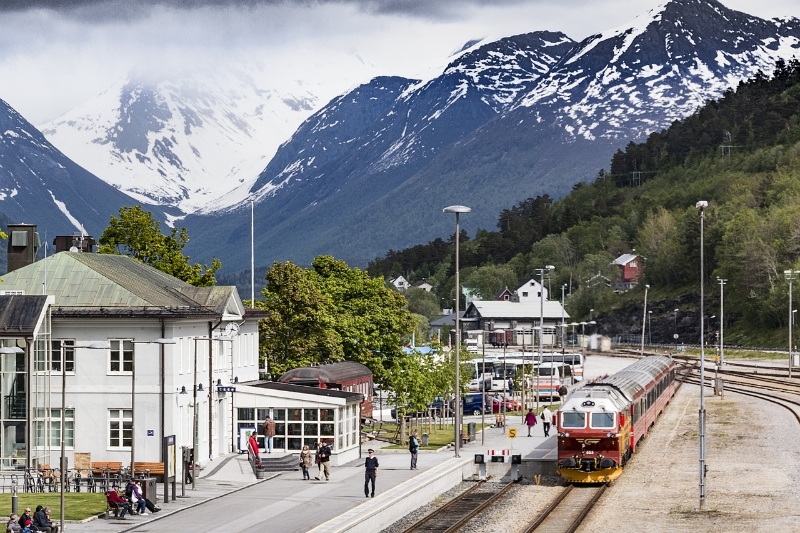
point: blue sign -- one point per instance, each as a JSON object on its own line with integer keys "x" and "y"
{"x": 151, "y": 432}
{"x": 226, "y": 389}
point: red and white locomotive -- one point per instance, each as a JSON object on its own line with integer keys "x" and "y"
{"x": 600, "y": 423}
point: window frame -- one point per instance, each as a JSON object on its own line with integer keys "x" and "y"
{"x": 121, "y": 419}
{"x": 69, "y": 355}
{"x": 613, "y": 419}
{"x": 118, "y": 346}
{"x": 55, "y": 428}
{"x": 565, "y": 413}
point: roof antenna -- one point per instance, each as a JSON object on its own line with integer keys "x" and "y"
{"x": 44, "y": 285}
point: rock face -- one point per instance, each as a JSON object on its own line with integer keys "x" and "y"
{"x": 522, "y": 116}
{"x": 40, "y": 185}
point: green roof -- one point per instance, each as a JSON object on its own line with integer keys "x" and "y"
{"x": 87, "y": 283}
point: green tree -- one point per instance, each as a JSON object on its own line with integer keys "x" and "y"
{"x": 298, "y": 331}
{"x": 491, "y": 279}
{"x": 138, "y": 235}
{"x": 422, "y": 302}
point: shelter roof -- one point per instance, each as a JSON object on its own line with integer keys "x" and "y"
{"x": 301, "y": 389}
{"x": 20, "y": 315}
{"x": 329, "y": 373}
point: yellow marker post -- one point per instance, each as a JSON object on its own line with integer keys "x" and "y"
{"x": 512, "y": 433}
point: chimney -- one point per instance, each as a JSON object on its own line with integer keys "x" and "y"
{"x": 23, "y": 244}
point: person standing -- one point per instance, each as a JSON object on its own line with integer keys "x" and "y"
{"x": 546, "y": 417}
{"x": 530, "y": 420}
{"x": 252, "y": 443}
{"x": 305, "y": 461}
{"x": 269, "y": 432}
{"x": 413, "y": 447}
{"x": 371, "y": 465}
{"x": 324, "y": 457}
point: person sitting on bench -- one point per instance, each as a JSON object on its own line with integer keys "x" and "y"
{"x": 118, "y": 502}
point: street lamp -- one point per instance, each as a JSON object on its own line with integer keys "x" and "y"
{"x": 701, "y": 205}
{"x": 563, "y": 324}
{"x": 161, "y": 341}
{"x": 523, "y": 382}
{"x": 675, "y": 325}
{"x": 722, "y": 283}
{"x": 541, "y": 271}
{"x": 92, "y": 345}
{"x": 457, "y": 209}
{"x": 791, "y": 276}
{"x": 644, "y": 315}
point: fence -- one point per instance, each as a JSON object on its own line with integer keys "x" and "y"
{"x": 76, "y": 480}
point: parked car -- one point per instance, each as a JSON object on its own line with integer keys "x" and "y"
{"x": 511, "y": 404}
{"x": 473, "y": 402}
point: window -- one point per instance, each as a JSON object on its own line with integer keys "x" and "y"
{"x": 602, "y": 420}
{"x": 120, "y": 357}
{"x": 633, "y": 264}
{"x": 120, "y": 428}
{"x": 55, "y": 428}
{"x": 525, "y": 294}
{"x": 573, "y": 419}
{"x": 69, "y": 355}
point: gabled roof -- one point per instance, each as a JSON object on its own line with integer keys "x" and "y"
{"x": 516, "y": 310}
{"x": 101, "y": 284}
{"x": 624, "y": 259}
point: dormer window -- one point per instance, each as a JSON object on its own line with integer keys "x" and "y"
{"x": 505, "y": 297}
{"x": 525, "y": 294}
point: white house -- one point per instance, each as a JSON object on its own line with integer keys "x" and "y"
{"x": 400, "y": 283}
{"x": 123, "y": 400}
{"x": 531, "y": 291}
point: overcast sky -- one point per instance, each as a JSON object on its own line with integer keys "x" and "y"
{"x": 56, "y": 54}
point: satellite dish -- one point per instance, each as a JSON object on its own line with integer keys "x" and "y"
{"x": 73, "y": 249}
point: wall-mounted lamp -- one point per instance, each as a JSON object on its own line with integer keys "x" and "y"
{"x": 236, "y": 379}
{"x": 219, "y": 383}
{"x": 183, "y": 390}
{"x": 199, "y": 387}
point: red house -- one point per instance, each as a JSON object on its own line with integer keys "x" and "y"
{"x": 630, "y": 271}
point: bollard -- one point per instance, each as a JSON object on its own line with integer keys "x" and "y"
{"x": 14, "y": 497}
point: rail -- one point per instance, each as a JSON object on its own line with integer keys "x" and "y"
{"x": 568, "y": 510}
{"x": 460, "y": 510}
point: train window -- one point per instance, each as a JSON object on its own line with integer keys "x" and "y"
{"x": 573, "y": 419}
{"x": 602, "y": 420}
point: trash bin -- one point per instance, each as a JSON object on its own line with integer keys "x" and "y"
{"x": 471, "y": 431}
{"x": 424, "y": 439}
{"x": 149, "y": 489}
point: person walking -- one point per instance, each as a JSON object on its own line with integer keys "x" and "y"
{"x": 547, "y": 418}
{"x": 252, "y": 444}
{"x": 371, "y": 465}
{"x": 562, "y": 393}
{"x": 530, "y": 420}
{"x": 269, "y": 432}
{"x": 324, "y": 457}
{"x": 305, "y": 461}
{"x": 413, "y": 447}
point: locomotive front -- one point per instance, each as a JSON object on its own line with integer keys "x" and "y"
{"x": 592, "y": 434}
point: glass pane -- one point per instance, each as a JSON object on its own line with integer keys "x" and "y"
{"x": 311, "y": 430}
{"x": 295, "y": 429}
{"x": 14, "y": 442}
{"x": 310, "y": 414}
{"x": 279, "y": 442}
{"x": 262, "y": 414}
{"x": 326, "y": 430}
{"x": 280, "y": 429}
{"x": 572, "y": 419}
{"x": 279, "y": 414}
{"x": 602, "y": 420}
{"x": 326, "y": 415}
{"x": 295, "y": 444}
{"x": 246, "y": 414}
{"x": 295, "y": 414}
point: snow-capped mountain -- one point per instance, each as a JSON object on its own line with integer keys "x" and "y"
{"x": 40, "y": 185}
{"x": 519, "y": 117}
{"x": 638, "y": 78}
{"x": 190, "y": 137}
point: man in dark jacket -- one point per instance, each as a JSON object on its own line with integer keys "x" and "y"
{"x": 41, "y": 519}
{"x": 324, "y": 455}
{"x": 371, "y": 465}
{"x": 26, "y": 520}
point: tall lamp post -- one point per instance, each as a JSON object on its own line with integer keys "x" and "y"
{"x": 92, "y": 345}
{"x": 505, "y": 378}
{"x": 722, "y": 283}
{"x": 457, "y": 209}
{"x": 701, "y": 205}
{"x": 675, "y": 324}
{"x": 644, "y": 315}
{"x": 541, "y": 271}
{"x": 791, "y": 276}
{"x": 521, "y": 330}
{"x": 563, "y": 323}
{"x": 161, "y": 341}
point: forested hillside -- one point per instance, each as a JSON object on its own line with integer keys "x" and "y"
{"x": 740, "y": 153}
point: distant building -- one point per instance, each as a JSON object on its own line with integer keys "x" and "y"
{"x": 400, "y": 283}
{"x": 630, "y": 272}
{"x": 531, "y": 291}
{"x": 424, "y": 285}
{"x": 505, "y": 295}
{"x": 515, "y": 319}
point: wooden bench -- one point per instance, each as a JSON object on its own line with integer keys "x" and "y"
{"x": 156, "y": 469}
{"x": 110, "y": 466}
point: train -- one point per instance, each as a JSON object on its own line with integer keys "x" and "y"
{"x": 347, "y": 376}
{"x": 600, "y": 424}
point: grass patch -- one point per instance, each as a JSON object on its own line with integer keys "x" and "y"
{"x": 80, "y": 505}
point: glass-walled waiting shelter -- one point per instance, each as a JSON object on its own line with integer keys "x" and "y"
{"x": 302, "y": 415}
{"x": 24, "y": 379}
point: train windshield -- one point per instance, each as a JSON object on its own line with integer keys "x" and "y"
{"x": 573, "y": 419}
{"x": 602, "y": 420}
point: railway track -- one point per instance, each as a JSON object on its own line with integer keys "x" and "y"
{"x": 451, "y": 517}
{"x": 568, "y": 510}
